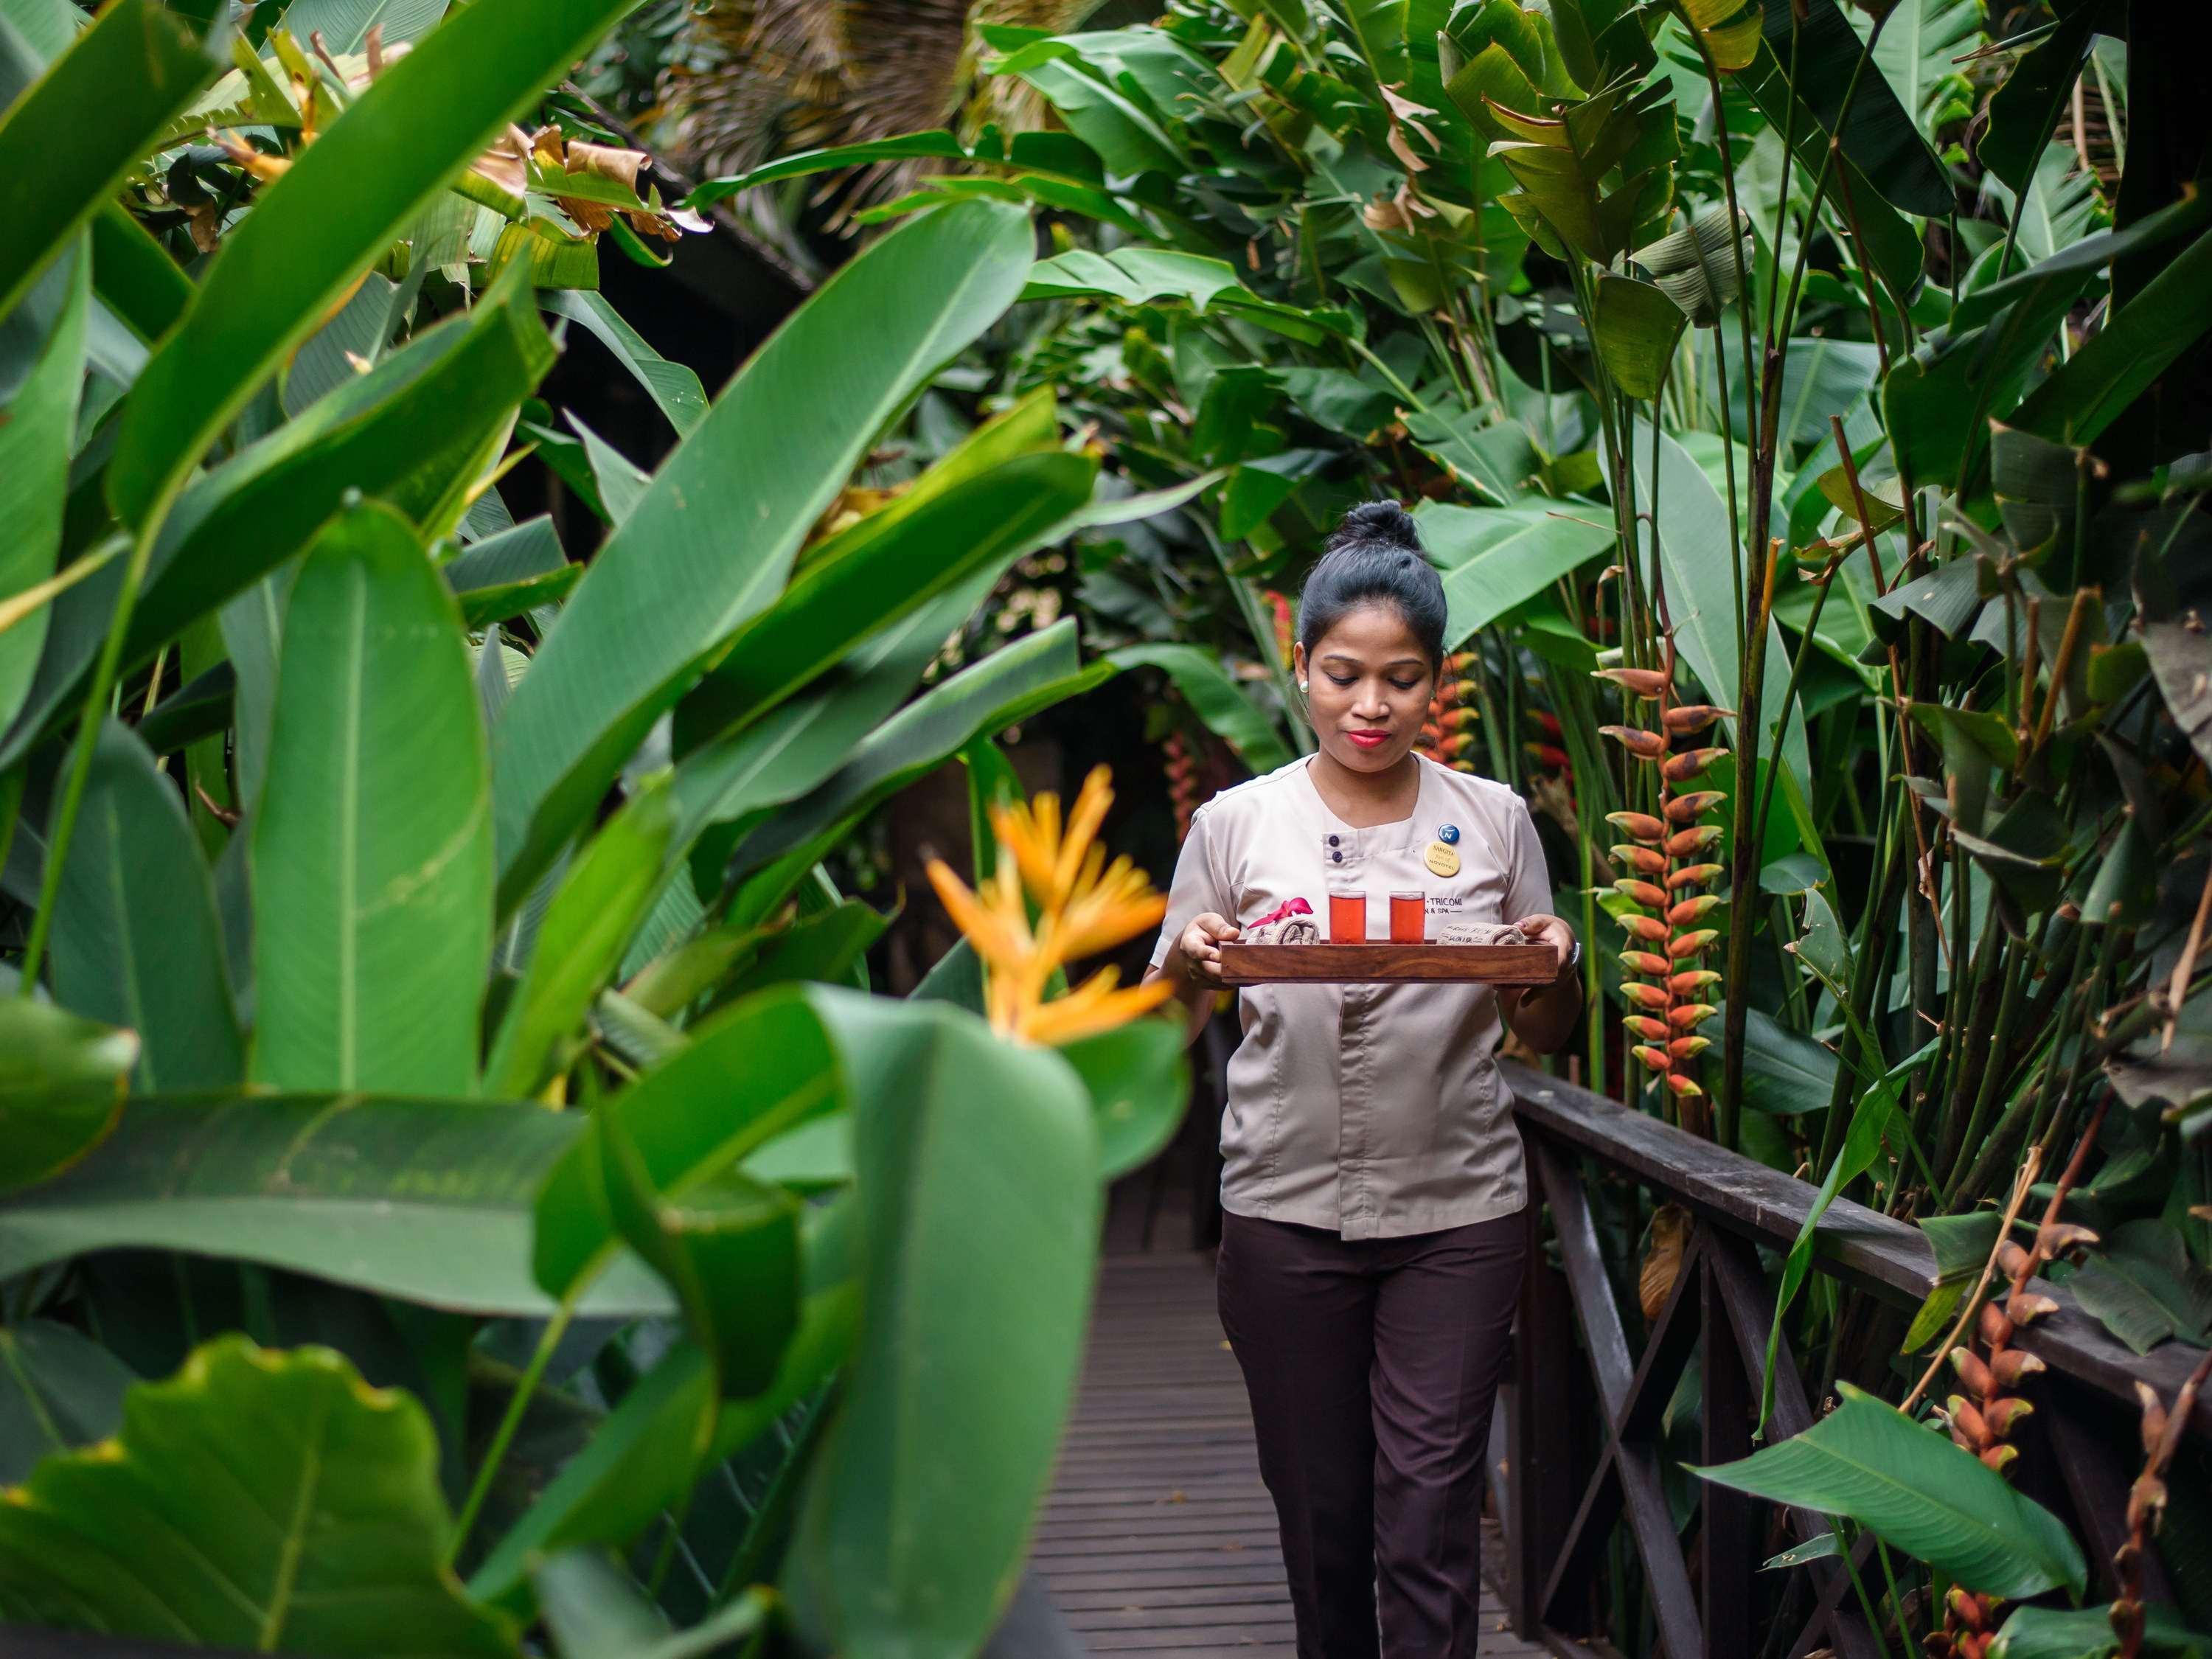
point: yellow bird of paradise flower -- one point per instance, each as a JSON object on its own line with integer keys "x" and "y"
{"x": 1084, "y": 906}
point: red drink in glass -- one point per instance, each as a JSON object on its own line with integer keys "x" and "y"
{"x": 1347, "y": 915}
{"x": 1409, "y": 922}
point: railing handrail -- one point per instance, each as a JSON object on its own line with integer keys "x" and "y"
{"x": 1892, "y": 1258}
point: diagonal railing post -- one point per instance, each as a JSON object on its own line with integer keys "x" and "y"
{"x": 1727, "y": 1539}
{"x": 1542, "y": 1478}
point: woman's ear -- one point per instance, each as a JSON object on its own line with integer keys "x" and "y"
{"x": 1299, "y": 663}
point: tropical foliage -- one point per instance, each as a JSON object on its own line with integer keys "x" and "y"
{"x": 455, "y": 1170}
{"x": 1810, "y": 442}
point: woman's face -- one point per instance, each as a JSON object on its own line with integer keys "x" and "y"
{"x": 1368, "y": 682}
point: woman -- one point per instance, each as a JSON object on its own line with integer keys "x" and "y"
{"x": 1371, "y": 1237}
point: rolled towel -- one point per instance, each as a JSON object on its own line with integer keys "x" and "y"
{"x": 1483, "y": 933}
{"x": 1285, "y": 930}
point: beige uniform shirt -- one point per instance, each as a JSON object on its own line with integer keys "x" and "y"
{"x": 1373, "y": 1110}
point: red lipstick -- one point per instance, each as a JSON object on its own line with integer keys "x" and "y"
{"x": 1369, "y": 739}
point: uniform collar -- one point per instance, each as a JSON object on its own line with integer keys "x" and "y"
{"x": 1355, "y": 843}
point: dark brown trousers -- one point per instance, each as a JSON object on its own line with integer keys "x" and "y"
{"x": 1372, "y": 1364}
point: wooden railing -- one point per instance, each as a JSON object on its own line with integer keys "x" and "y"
{"x": 1583, "y": 1413}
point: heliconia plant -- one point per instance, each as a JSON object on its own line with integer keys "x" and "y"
{"x": 1665, "y": 864}
{"x": 1448, "y": 734}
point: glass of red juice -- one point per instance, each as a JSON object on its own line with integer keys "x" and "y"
{"x": 1347, "y": 915}
{"x": 1408, "y": 918}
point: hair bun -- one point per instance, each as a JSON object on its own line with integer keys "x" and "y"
{"x": 1380, "y": 521}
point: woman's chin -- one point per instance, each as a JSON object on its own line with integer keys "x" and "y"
{"x": 1359, "y": 757}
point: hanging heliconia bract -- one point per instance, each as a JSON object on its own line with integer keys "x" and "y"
{"x": 1664, "y": 863}
{"x": 1279, "y": 608}
{"x": 1448, "y": 734}
{"x": 1183, "y": 783}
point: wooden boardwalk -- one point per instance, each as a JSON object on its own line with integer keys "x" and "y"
{"x": 1158, "y": 1538}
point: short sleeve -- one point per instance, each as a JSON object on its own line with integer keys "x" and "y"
{"x": 1197, "y": 887}
{"x": 1529, "y": 878}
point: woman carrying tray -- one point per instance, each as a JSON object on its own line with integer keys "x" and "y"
{"x": 1371, "y": 1239}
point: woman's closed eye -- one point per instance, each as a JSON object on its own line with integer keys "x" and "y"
{"x": 1353, "y": 679}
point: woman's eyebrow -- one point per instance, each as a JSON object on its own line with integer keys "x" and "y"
{"x": 1395, "y": 662}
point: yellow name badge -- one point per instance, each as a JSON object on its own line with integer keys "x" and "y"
{"x": 1442, "y": 861}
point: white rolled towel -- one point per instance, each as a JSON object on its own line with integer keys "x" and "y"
{"x": 1291, "y": 930}
{"x": 1483, "y": 933}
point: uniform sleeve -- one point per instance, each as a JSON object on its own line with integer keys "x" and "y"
{"x": 1529, "y": 879}
{"x": 1197, "y": 888}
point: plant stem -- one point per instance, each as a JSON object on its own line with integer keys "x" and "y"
{"x": 517, "y": 1404}
{"x": 89, "y": 723}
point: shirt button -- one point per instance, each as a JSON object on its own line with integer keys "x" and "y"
{"x": 1339, "y": 857}
{"x": 1331, "y": 841}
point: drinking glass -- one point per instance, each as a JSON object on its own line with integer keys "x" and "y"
{"x": 1408, "y": 918}
{"x": 1347, "y": 915}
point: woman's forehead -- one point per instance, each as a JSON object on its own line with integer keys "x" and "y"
{"x": 1376, "y": 632}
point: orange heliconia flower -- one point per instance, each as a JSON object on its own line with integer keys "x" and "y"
{"x": 1084, "y": 906}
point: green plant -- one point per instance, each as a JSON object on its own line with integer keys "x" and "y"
{"x": 451, "y": 1164}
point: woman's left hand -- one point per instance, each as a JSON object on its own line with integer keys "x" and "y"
{"x": 1551, "y": 930}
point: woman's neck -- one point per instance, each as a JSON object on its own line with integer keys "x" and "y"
{"x": 1364, "y": 800}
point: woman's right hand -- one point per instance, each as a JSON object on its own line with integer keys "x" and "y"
{"x": 1200, "y": 946}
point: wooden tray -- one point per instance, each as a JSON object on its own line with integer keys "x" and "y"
{"x": 1381, "y": 962}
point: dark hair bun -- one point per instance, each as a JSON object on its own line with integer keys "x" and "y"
{"x": 1375, "y": 558}
{"x": 1380, "y": 521}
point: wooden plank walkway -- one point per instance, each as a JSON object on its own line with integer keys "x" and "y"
{"x": 1158, "y": 1538}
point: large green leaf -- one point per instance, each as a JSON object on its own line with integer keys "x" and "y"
{"x": 1139, "y": 1083}
{"x": 2136, "y": 345}
{"x": 340, "y": 205}
{"x": 784, "y": 755}
{"x": 1126, "y": 137}
{"x": 979, "y": 1235}
{"x": 726, "y": 1243}
{"x": 1888, "y": 246}
{"x": 1141, "y": 275}
{"x": 1909, "y": 1486}
{"x": 2143, "y": 1288}
{"x": 873, "y": 578}
{"x": 344, "y": 24}
{"x": 1635, "y": 326}
{"x": 674, "y": 389}
{"x": 1918, "y": 53}
{"x": 1205, "y": 685}
{"x": 411, "y": 433}
{"x": 62, "y": 1083}
{"x": 136, "y": 940}
{"x": 1962, "y": 1244}
{"x": 651, "y": 1448}
{"x": 37, "y": 426}
{"x": 1879, "y": 134}
{"x": 428, "y": 1200}
{"x": 1693, "y": 523}
{"x": 2088, "y": 1633}
{"x": 139, "y": 65}
{"x": 1493, "y": 558}
{"x": 1785, "y": 1073}
{"x": 371, "y": 840}
{"x": 310, "y": 1502}
{"x": 133, "y": 274}
{"x": 764, "y": 1068}
{"x": 1012, "y": 684}
{"x": 665, "y": 589}
{"x": 601, "y": 899}
{"x": 58, "y": 1390}
{"x": 2024, "y": 109}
